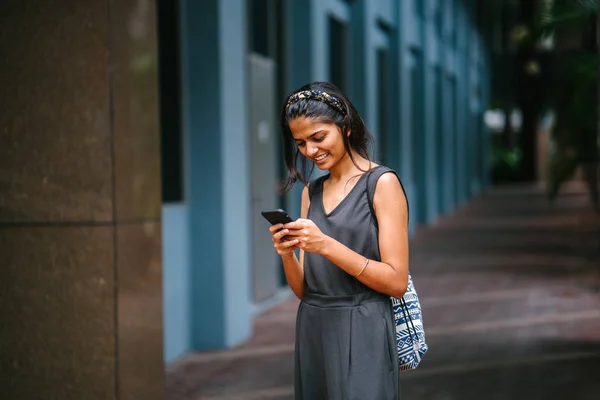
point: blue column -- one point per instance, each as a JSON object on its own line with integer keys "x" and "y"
{"x": 430, "y": 53}
{"x": 406, "y": 27}
{"x": 440, "y": 114}
{"x": 356, "y": 68}
{"x": 485, "y": 171}
{"x": 413, "y": 83}
{"x": 319, "y": 60}
{"x": 462, "y": 103}
{"x": 215, "y": 123}
{"x": 448, "y": 68}
{"x": 298, "y": 49}
{"x": 363, "y": 68}
{"x": 369, "y": 56}
{"x": 388, "y": 12}
{"x": 320, "y": 10}
{"x": 474, "y": 105}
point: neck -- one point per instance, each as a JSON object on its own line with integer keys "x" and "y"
{"x": 345, "y": 168}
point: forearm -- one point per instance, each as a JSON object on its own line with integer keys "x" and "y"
{"x": 379, "y": 276}
{"x": 294, "y": 274}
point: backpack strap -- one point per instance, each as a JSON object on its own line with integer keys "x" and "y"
{"x": 372, "y": 178}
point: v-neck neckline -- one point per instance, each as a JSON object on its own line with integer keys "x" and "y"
{"x": 334, "y": 209}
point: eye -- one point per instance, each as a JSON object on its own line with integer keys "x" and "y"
{"x": 299, "y": 144}
{"x": 320, "y": 138}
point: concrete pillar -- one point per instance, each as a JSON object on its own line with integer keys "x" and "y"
{"x": 80, "y": 201}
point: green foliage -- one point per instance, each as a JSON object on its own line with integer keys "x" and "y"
{"x": 575, "y": 133}
{"x": 573, "y": 96}
{"x": 505, "y": 162}
{"x": 565, "y": 12}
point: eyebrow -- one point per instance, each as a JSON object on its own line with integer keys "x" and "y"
{"x": 313, "y": 134}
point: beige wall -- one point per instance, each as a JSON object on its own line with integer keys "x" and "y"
{"x": 80, "y": 258}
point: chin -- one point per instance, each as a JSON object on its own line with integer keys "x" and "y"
{"x": 324, "y": 166}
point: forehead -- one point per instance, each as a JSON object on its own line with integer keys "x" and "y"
{"x": 303, "y": 127}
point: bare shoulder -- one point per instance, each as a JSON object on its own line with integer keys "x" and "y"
{"x": 389, "y": 178}
{"x": 388, "y": 182}
{"x": 389, "y": 191}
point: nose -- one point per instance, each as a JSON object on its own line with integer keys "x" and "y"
{"x": 312, "y": 151}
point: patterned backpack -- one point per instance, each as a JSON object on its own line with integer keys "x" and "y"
{"x": 410, "y": 335}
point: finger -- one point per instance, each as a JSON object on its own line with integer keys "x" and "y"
{"x": 275, "y": 228}
{"x": 290, "y": 225}
{"x": 289, "y": 243}
{"x": 279, "y": 235}
{"x": 298, "y": 224}
{"x": 294, "y": 232}
{"x": 285, "y": 247}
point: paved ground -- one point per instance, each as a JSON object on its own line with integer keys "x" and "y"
{"x": 510, "y": 288}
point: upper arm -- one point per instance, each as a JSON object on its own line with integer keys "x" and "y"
{"x": 303, "y": 214}
{"x": 391, "y": 211}
{"x": 305, "y": 203}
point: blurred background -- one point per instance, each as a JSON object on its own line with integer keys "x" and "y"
{"x": 139, "y": 140}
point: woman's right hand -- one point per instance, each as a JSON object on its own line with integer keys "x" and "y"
{"x": 283, "y": 247}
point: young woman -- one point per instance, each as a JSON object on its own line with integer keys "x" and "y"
{"x": 348, "y": 267}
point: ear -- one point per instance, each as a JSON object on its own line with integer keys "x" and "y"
{"x": 349, "y": 132}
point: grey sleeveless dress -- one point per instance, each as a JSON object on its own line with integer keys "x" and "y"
{"x": 345, "y": 337}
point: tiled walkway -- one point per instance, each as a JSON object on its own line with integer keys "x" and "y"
{"x": 510, "y": 288}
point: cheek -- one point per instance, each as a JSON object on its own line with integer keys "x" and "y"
{"x": 302, "y": 150}
{"x": 338, "y": 145}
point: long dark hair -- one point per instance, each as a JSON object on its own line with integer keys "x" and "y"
{"x": 349, "y": 120}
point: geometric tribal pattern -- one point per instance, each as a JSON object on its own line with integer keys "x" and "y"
{"x": 410, "y": 335}
{"x": 408, "y": 318}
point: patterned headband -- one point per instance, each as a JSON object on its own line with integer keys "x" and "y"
{"x": 316, "y": 95}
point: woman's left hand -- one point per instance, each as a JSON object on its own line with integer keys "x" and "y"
{"x": 310, "y": 238}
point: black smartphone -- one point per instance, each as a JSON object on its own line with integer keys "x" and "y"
{"x": 277, "y": 216}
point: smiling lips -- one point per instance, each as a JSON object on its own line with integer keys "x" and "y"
{"x": 321, "y": 157}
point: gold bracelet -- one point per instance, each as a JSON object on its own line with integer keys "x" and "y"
{"x": 363, "y": 268}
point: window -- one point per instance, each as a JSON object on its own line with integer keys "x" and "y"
{"x": 456, "y": 143}
{"x": 416, "y": 103}
{"x": 337, "y": 53}
{"x": 259, "y": 27}
{"x": 439, "y": 18}
{"x": 419, "y": 163}
{"x": 383, "y": 100}
{"x": 419, "y": 8}
{"x": 170, "y": 101}
{"x": 439, "y": 134}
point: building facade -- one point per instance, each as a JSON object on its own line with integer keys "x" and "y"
{"x": 139, "y": 141}
{"x": 417, "y": 71}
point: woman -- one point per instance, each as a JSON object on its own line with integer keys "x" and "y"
{"x": 347, "y": 268}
